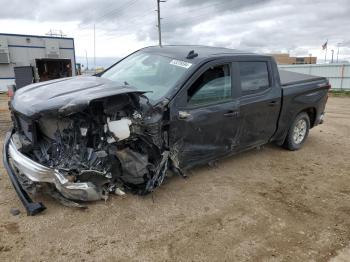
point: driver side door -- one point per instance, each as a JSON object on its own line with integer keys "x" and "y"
{"x": 204, "y": 116}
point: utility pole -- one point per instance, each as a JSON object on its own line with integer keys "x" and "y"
{"x": 159, "y": 25}
{"x": 95, "y": 48}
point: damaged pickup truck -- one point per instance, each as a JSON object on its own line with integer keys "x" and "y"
{"x": 158, "y": 109}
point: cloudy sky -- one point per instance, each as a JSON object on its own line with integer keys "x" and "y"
{"x": 122, "y": 26}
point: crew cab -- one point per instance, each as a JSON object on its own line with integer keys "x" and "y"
{"x": 159, "y": 109}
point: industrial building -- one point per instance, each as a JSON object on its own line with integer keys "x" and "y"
{"x": 26, "y": 59}
{"x": 286, "y": 59}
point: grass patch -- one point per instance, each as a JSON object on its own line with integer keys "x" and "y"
{"x": 340, "y": 93}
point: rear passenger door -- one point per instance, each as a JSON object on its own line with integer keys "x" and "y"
{"x": 259, "y": 102}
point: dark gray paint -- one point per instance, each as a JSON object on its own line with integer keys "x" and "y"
{"x": 258, "y": 118}
{"x": 208, "y": 132}
{"x": 23, "y": 75}
{"x": 289, "y": 78}
{"x": 65, "y": 96}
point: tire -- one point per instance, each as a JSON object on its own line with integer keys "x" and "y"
{"x": 298, "y": 132}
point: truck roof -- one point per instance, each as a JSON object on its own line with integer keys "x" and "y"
{"x": 181, "y": 51}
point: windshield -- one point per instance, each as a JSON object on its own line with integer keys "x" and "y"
{"x": 148, "y": 72}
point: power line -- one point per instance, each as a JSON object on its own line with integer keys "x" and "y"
{"x": 192, "y": 18}
{"x": 121, "y": 7}
{"x": 199, "y": 15}
{"x": 188, "y": 11}
{"x": 196, "y": 9}
{"x": 114, "y": 11}
{"x": 129, "y": 23}
{"x": 111, "y": 36}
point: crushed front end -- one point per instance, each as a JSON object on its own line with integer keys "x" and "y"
{"x": 85, "y": 152}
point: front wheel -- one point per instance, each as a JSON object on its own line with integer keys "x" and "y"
{"x": 298, "y": 132}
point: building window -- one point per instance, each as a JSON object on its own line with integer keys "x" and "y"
{"x": 300, "y": 60}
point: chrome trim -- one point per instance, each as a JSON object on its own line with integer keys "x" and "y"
{"x": 84, "y": 191}
{"x": 321, "y": 119}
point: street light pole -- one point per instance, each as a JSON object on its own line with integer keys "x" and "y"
{"x": 338, "y": 45}
{"x": 95, "y": 48}
{"x": 332, "y": 55}
{"x": 87, "y": 61}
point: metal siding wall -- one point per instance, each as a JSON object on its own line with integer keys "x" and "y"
{"x": 347, "y": 70}
{"x": 24, "y": 56}
{"x": 332, "y": 71}
{"x": 6, "y": 70}
{"x": 4, "y": 83}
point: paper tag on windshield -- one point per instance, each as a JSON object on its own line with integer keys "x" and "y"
{"x": 180, "y": 63}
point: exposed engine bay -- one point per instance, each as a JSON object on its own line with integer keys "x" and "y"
{"x": 116, "y": 143}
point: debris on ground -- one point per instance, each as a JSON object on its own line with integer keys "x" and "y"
{"x": 15, "y": 211}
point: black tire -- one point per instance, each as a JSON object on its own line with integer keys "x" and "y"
{"x": 294, "y": 139}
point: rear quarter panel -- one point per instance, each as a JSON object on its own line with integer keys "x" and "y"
{"x": 298, "y": 98}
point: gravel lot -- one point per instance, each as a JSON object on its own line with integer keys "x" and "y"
{"x": 262, "y": 205}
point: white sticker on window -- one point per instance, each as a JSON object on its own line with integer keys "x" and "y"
{"x": 180, "y": 63}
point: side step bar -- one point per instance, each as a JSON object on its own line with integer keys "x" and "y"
{"x": 32, "y": 208}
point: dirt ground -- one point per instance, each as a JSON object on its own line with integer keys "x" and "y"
{"x": 262, "y": 205}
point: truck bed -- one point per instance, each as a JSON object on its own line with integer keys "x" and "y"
{"x": 291, "y": 78}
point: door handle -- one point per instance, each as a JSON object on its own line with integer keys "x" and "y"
{"x": 184, "y": 115}
{"x": 231, "y": 113}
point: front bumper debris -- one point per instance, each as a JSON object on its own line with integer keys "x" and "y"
{"x": 91, "y": 151}
{"x": 32, "y": 208}
{"x": 37, "y": 173}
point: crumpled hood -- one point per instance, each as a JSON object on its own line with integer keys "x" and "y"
{"x": 65, "y": 95}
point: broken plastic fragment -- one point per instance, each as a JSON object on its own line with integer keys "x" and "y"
{"x": 110, "y": 140}
{"x": 83, "y": 131}
{"x": 119, "y": 128}
{"x": 119, "y": 192}
{"x": 136, "y": 115}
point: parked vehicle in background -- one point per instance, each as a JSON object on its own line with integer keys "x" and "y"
{"x": 160, "y": 108}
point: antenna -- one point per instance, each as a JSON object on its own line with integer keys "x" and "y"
{"x": 191, "y": 55}
{"x": 57, "y": 33}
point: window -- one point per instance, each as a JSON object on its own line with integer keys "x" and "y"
{"x": 214, "y": 85}
{"x": 300, "y": 60}
{"x": 148, "y": 72}
{"x": 254, "y": 77}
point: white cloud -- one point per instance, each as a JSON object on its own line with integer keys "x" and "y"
{"x": 299, "y": 26}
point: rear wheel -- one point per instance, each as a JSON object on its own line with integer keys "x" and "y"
{"x": 298, "y": 132}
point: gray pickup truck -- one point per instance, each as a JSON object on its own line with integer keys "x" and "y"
{"x": 159, "y": 109}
